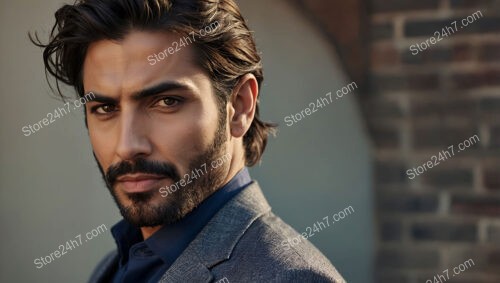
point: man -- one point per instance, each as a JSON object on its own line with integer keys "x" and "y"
{"x": 173, "y": 122}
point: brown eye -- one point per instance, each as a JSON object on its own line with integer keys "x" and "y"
{"x": 105, "y": 109}
{"x": 168, "y": 102}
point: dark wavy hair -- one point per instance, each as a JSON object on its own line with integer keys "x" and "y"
{"x": 226, "y": 53}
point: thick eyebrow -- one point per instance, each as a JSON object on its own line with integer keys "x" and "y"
{"x": 160, "y": 88}
{"x": 97, "y": 97}
{"x": 147, "y": 92}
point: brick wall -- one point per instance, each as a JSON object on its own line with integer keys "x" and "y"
{"x": 418, "y": 105}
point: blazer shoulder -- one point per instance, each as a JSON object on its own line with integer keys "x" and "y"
{"x": 263, "y": 249}
{"x": 308, "y": 275}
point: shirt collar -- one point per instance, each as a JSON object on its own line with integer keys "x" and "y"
{"x": 171, "y": 240}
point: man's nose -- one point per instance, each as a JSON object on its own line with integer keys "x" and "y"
{"x": 133, "y": 138}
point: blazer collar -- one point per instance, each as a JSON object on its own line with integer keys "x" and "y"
{"x": 215, "y": 243}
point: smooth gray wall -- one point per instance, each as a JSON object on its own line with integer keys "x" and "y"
{"x": 51, "y": 189}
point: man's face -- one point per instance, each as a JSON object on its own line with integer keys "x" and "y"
{"x": 152, "y": 124}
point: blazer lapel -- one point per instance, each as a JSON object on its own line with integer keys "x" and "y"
{"x": 215, "y": 243}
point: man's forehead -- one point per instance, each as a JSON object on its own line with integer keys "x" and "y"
{"x": 124, "y": 64}
{"x": 138, "y": 45}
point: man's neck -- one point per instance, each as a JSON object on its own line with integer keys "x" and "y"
{"x": 149, "y": 231}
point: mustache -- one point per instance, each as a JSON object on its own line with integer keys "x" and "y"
{"x": 141, "y": 165}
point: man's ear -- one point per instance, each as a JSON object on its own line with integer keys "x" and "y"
{"x": 243, "y": 104}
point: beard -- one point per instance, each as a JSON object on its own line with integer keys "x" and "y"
{"x": 149, "y": 209}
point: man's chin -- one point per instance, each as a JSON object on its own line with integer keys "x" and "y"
{"x": 141, "y": 209}
{"x": 143, "y": 216}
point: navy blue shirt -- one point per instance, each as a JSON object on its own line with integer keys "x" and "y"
{"x": 147, "y": 261}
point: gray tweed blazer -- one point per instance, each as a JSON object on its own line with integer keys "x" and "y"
{"x": 243, "y": 242}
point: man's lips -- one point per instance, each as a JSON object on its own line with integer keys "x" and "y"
{"x": 139, "y": 183}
